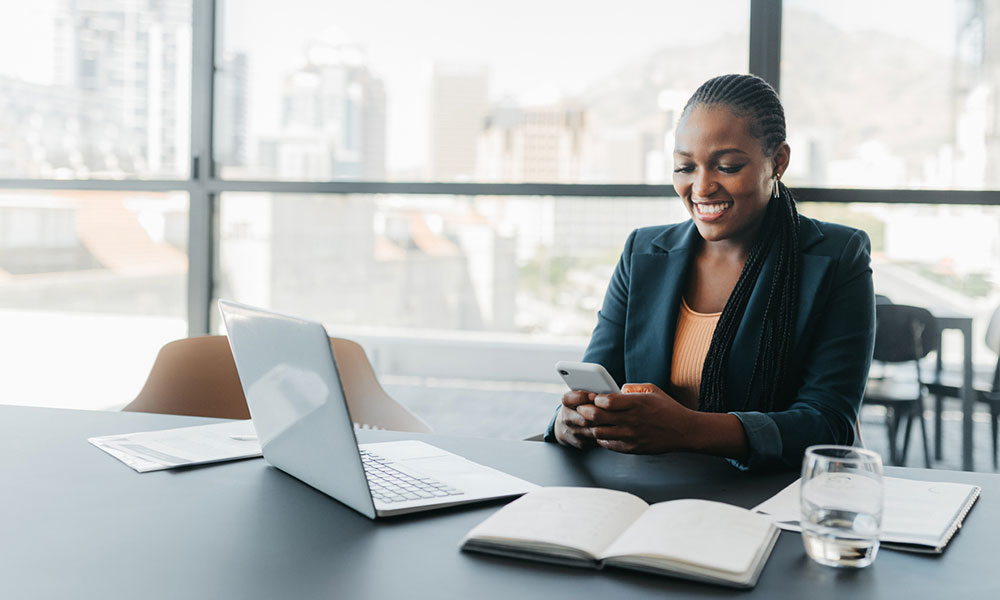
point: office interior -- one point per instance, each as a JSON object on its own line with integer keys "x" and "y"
{"x": 450, "y": 183}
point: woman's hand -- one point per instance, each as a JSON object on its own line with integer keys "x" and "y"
{"x": 643, "y": 419}
{"x": 571, "y": 428}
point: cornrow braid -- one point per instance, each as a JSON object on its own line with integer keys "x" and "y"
{"x": 752, "y": 97}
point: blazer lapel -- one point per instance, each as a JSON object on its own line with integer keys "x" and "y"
{"x": 658, "y": 278}
{"x": 814, "y": 274}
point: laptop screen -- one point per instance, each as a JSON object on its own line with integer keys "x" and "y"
{"x": 293, "y": 389}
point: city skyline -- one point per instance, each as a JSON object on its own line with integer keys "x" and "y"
{"x": 334, "y": 116}
{"x": 633, "y": 149}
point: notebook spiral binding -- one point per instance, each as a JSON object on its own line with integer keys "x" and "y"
{"x": 961, "y": 518}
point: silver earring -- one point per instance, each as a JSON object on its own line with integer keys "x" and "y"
{"x": 775, "y": 192}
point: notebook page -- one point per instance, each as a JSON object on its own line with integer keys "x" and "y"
{"x": 708, "y": 534}
{"x": 921, "y": 511}
{"x": 584, "y": 518}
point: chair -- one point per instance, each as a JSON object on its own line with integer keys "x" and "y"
{"x": 194, "y": 376}
{"x": 197, "y": 377}
{"x": 903, "y": 334}
{"x": 988, "y": 394}
{"x": 369, "y": 404}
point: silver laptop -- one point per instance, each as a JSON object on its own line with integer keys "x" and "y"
{"x": 297, "y": 404}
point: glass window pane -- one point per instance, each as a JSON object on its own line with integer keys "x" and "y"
{"x": 91, "y": 285}
{"x": 875, "y": 100}
{"x": 461, "y": 298}
{"x": 96, "y": 89}
{"x": 949, "y": 276}
{"x": 533, "y": 266}
{"x": 451, "y": 90}
{"x": 458, "y": 301}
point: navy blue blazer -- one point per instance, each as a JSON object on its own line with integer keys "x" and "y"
{"x": 834, "y": 334}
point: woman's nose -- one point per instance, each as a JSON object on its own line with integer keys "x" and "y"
{"x": 704, "y": 185}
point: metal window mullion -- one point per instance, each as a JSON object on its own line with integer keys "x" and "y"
{"x": 104, "y": 185}
{"x": 210, "y": 189}
{"x": 447, "y": 189}
{"x": 765, "y": 41}
{"x": 202, "y": 199}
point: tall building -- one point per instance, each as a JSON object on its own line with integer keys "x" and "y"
{"x": 373, "y": 130}
{"x": 137, "y": 57}
{"x": 976, "y": 85}
{"x": 539, "y": 144}
{"x": 57, "y": 131}
{"x": 231, "y": 98}
{"x": 459, "y": 105}
{"x": 333, "y": 119}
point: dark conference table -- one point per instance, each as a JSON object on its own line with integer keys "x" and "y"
{"x": 77, "y": 523}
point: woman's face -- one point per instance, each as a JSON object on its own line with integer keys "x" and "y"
{"x": 722, "y": 174}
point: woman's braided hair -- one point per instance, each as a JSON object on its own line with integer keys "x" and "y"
{"x": 752, "y": 97}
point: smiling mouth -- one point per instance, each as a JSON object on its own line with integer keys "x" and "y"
{"x": 710, "y": 211}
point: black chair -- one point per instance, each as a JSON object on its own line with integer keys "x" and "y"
{"x": 903, "y": 334}
{"x": 985, "y": 392}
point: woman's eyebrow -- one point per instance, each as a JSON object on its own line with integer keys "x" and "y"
{"x": 715, "y": 154}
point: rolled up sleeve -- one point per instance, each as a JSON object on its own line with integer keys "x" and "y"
{"x": 763, "y": 437}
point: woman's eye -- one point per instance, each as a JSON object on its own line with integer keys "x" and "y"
{"x": 731, "y": 169}
{"x": 683, "y": 169}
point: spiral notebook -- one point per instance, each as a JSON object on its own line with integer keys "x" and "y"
{"x": 919, "y": 516}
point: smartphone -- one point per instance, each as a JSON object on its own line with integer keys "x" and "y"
{"x": 588, "y": 377}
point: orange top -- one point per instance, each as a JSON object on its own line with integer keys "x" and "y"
{"x": 691, "y": 342}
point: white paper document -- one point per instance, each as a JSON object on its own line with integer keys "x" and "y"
{"x": 181, "y": 447}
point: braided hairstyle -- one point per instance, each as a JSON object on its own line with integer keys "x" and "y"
{"x": 752, "y": 97}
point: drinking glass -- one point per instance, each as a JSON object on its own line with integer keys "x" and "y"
{"x": 841, "y": 501}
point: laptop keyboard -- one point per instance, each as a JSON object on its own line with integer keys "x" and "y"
{"x": 389, "y": 485}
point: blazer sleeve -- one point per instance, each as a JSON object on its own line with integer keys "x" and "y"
{"x": 607, "y": 342}
{"x": 834, "y": 374}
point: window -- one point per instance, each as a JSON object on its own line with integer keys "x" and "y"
{"x": 386, "y": 134}
{"x": 885, "y": 102}
{"x": 95, "y": 90}
{"x": 944, "y": 258}
{"x": 535, "y": 266}
{"x": 91, "y": 284}
{"x": 449, "y": 90}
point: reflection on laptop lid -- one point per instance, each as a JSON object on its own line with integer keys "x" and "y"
{"x": 297, "y": 404}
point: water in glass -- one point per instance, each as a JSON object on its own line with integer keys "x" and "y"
{"x": 841, "y": 502}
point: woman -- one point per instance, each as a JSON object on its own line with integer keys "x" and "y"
{"x": 752, "y": 327}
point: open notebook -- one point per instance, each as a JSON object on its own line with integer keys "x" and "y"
{"x": 919, "y": 516}
{"x": 593, "y": 527}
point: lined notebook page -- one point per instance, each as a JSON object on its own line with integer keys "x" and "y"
{"x": 584, "y": 518}
{"x": 708, "y": 534}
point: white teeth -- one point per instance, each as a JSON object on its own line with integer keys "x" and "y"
{"x": 712, "y": 209}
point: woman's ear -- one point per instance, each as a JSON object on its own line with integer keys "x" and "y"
{"x": 781, "y": 157}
